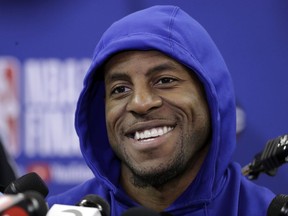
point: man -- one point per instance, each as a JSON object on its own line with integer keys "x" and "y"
{"x": 156, "y": 121}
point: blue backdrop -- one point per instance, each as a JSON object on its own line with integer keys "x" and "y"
{"x": 46, "y": 47}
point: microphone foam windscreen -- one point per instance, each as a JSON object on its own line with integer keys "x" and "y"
{"x": 41, "y": 207}
{"x": 29, "y": 182}
{"x": 276, "y": 205}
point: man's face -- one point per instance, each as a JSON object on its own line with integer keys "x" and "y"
{"x": 156, "y": 114}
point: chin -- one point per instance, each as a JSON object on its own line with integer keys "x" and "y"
{"x": 155, "y": 178}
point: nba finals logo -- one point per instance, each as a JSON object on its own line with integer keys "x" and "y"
{"x": 9, "y": 104}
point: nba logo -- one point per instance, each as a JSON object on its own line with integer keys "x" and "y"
{"x": 9, "y": 104}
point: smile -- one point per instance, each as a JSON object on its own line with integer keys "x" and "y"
{"x": 151, "y": 133}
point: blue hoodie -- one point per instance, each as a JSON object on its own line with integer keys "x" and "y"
{"x": 219, "y": 187}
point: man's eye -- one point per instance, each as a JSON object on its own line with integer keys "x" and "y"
{"x": 120, "y": 89}
{"x": 166, "y": 80}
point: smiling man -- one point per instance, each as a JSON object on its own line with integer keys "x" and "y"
{"x": 156, "y": 121}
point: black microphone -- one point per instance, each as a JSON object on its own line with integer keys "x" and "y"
{"x": 29, "y": 203}
{"x": 95, "y": 201}
{"x": 142, "y": 211}
{"x": 278, "y": 206}
{"x": 28, "y": 182}
{"x": 274, "y": 155}
{"x": 2, "y": 188}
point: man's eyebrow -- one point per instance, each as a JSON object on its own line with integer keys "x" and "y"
{"x": 122, "y": 75}
{"x": 162, "y": 67}
{"x": 119, "y": 75}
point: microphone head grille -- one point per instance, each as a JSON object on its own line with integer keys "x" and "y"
{"x": 38, "y": 202}
{"x": 93, "y": 200}
{"x": 29, "y": 182}
{"x": 276, "y": 205}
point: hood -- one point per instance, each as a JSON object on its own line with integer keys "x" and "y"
{"x": 172, "y": 31}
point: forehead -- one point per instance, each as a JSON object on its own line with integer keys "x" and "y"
{"x": 152, "y": 58}
{"x": 125, "y": 58}
{"x": 136, "y": 61}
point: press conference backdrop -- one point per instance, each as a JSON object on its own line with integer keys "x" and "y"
{"x": 46, "y": 47}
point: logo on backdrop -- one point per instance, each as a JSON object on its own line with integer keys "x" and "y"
{"x": 51, "y": 90}
{"x": 10, "y": 105}
{"x": 37, "y": 101}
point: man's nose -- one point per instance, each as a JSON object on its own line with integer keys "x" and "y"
{"x": 143, "y": 100}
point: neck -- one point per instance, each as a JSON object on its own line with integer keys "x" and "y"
{"x": 154, "y": 198}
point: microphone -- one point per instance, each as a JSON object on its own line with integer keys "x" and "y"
{"x": 274, "y": 155}
{"x": 30, "y": 203}
{"x": 90, "y": 205}
{"x": 28, "y": 182}
{"x": 68, "y": 210}
{"x": 95, "y": 201}
{"x": 278, "y": 206}
{"x": 142, "y": 211}
{"x": 2, "y": 188}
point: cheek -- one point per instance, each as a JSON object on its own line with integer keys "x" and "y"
{"x": 111, "y": 119}
{"x": 110, "y": 116}
{"x": 112, "y": 112}
{"x": 196, "y": 117}
{"x": 114, "y": 115}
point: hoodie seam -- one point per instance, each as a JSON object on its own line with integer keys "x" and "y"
{"x": 171, "y": 24}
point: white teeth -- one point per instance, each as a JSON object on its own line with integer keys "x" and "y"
{"x": 154, "y": 132}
